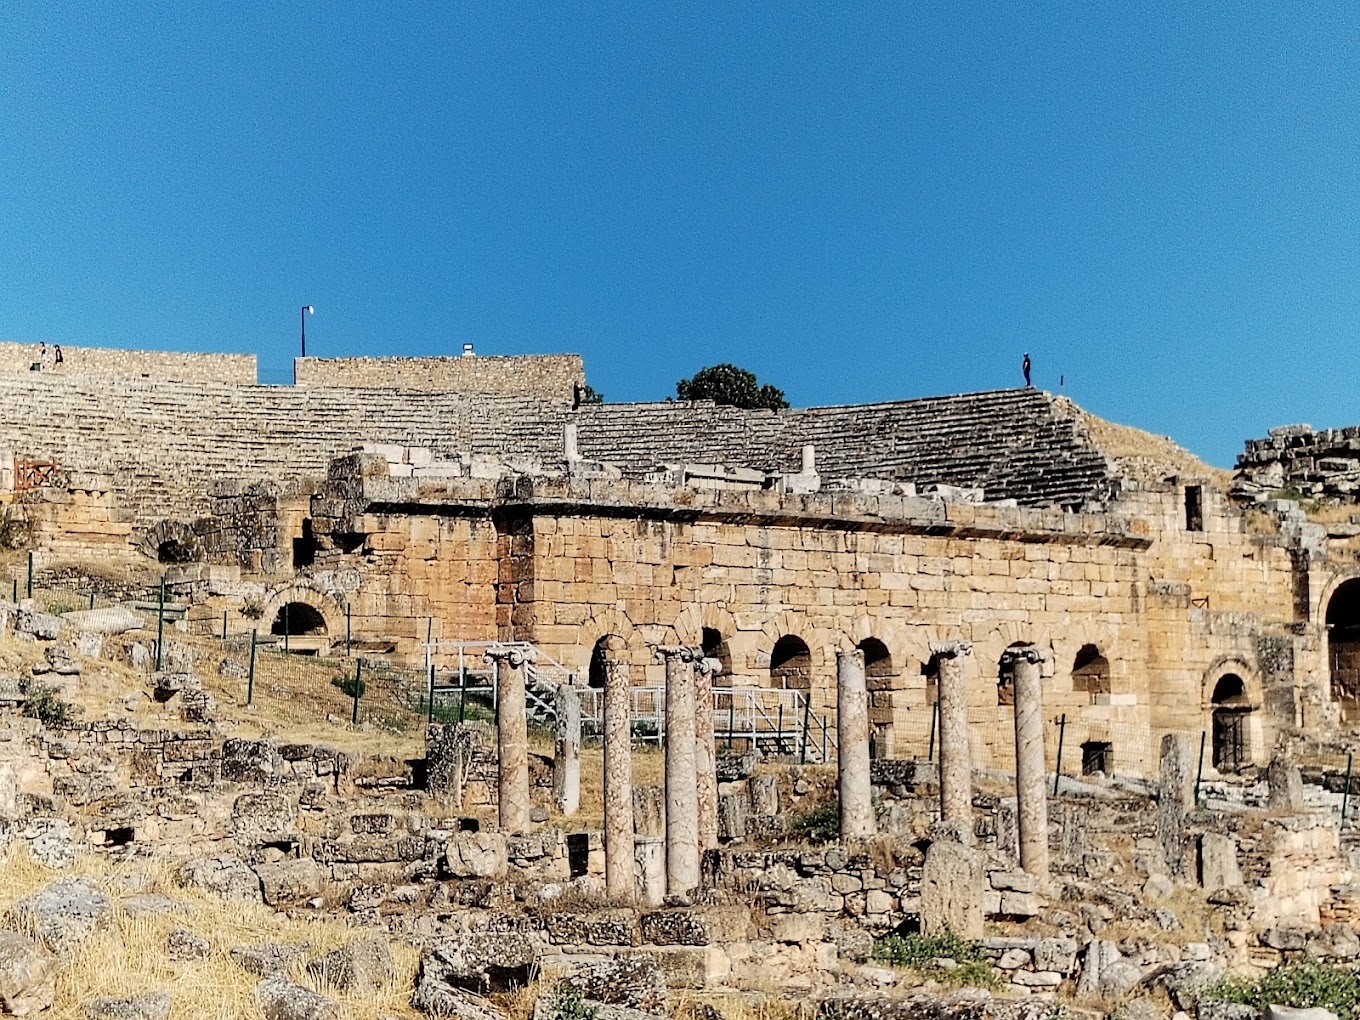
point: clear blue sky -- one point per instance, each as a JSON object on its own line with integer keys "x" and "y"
{"x": 858, "y": 202}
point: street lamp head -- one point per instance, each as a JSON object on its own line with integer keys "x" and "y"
{"x": 309, "y": 309}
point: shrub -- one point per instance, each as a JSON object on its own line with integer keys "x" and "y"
{"x": 917, "y": 952}
{"x": 43, "y": 704}
{"x": 1304, "y": 984}
{"x": 821, "y": 824}
{"x": 346, "y": 682}
{"x": 569, "y": 1005}
{"x": 16, "y": 530}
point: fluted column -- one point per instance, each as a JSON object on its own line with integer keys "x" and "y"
{"x": 512, "y": 735}
{"x": 705, "y": 750}
{"x": 1031, "y": 777}
{"x": 618, "y": 782}
{"x": 567, "y": 751}
{"x": 852, "y": 746}
{"x": 682, "y": 805}
{"x": 956, "y": 765}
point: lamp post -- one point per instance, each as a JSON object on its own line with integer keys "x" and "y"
{"x": 306, "y": 311}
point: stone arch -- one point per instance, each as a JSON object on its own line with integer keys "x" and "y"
{"x": 332, "y": 613}
{"x": 1091, "y": 670}
{"x": 1342, "y": 620}
{"x": 170, "y": 541}
{"x": 791, "y": 664}
{"x": 1232, "y": 694}
{"x": 606, "y": 623}
{"x": 711, "y": 628}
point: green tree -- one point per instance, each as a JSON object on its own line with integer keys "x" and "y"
{"x": 590, "y": 395}
{"x": 728, "y": 384}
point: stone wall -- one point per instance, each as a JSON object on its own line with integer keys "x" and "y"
{"x": 109, "y": 364}
{"x": 556, "y": 378}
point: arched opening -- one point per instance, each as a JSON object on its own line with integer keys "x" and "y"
{"x": 791, "y": 664}
{"x": 298, "y": 618}
{"x": 1005, "y": 675}
{"x": 930, "y": 671}
{"x": 877, "y": 659}
{"x": 599, "y": 655}
{"x": 1343, "y": 648}
{"x": 714, "y": 646}
{"x": 172, "y": 550}
{"x": 1091, "y": 671}
{"x": 1232, "y": 749}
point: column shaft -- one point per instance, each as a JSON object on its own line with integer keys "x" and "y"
{"x": 567, "y": 751}
{"x": 1031, "y": 777}
{"x": 682, "y": 806}
{"x": 618, "y": 783}
{"x": 956, "y": 766}
{"x": 705, "y": 754}
{"x": 852, "y": 746}
{"x": 512, "y": 741}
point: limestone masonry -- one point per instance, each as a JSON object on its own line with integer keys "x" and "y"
{"x": 978, "y": 671}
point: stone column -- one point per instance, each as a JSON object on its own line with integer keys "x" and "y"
{"x": 1031, "y": 775}
{"x": 852, "y": 746}
{"x": 682, "y": 805}
{"x": 651, "y": 871}
{"x": 705, "y": 750}
{"x": 956, "y": 763}
{"x": 618, "y": 782}
{"x": 512, "y": 736}
{"x": 1175, "y": 798}
{"x": 567, "y": 751}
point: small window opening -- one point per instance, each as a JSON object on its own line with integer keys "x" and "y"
{"x": 1194, "y": 508}
{"x": 121, "y": 836}
{"x": 469, "y": 825}
{"x": 578, "y": 854}
{"x": 304, "y": 546}
{"x": 1097, "y": 756}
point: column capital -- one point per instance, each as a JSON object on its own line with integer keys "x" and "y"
{"x": 850, "y": 653}
{"x": 951, "y": 649}
{"x": 512, "y": 654}
{"x": 683, "y": 652}
{"x": 1026, "y": 653}
{"x": 708, "y": 666}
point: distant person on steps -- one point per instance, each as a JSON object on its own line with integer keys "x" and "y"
{"x": 1024, "y": 367}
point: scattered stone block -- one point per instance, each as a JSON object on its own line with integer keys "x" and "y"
{"x": 289, "y": 882}
{"x": 360, "y": 966}
{"x": 182, "y": 944}
{"x": 147, "y": 1006}
{"x": 65, "y": 913}
{"x": 265, "y": 958}
{"x": 476, "y": 855}
{"x": 224, "y": 875}
{"x": 951, "y": 890}
{"x": 27, "y": 975}
{"x": 281, "y": 999}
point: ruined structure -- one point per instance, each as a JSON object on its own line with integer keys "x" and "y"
{"x": 909, "y": 609}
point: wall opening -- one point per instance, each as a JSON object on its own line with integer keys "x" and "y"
{"x": 714, "y": 646}
{"x": 791, "y": 664}
{"x": 1343, "y": 648}
{"x": 1097, "y": 756}
{"x": 877, "y": 659}
{"x": 595, "y": 672}
{"x": 1005, "y": 675}
{"x": 171, "y": 550}
{"x": 1091, "y": 671}
{"x": 298, "y": 618}
{"x": 304, "y": 546}
{"x": 122, "y": 835}
{"x": 1194, "y": 508}
{"x": 1232, "y": 748}
{"x": 930, "y": 670}
{"x": 578, "y": 854}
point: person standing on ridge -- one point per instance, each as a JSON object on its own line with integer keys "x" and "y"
{"x": 1024, "y": 367}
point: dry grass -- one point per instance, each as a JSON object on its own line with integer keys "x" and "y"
{"x": 649, "y": 766}
{"x": 1146, "y": 456}
{"x": 129, "y": 956}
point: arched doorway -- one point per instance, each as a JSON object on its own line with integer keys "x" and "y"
{"x": 791, "y": 664}
{"x": 714, "y": 646}
{"x": 1343, "y": 648}
{"x": 294, "y": 618}
{"x": 1232, "y": 738}
{"x": 599, "y": 655}
{"x": 878, "y": 671}
{"x": 1090, "y": 671}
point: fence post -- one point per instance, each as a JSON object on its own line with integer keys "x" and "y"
{"x": 807, "y": 718}
{"x": 250, "y": 684}
{"x": 934, "y": 718}
{"x": 224, "y": 625}
{"x": 348, "y": 643}
{"x": 1057, "y": 766}
{"x": 779, "y": 731}
{"x": 430, "y": 716}
{"x": 160, "y": 623}
{"x": 286, "y": 627}
{"x": 732, "y": 721}
{"x": 825, "y": 756}
{"x": 16, "y": 591}
{"x": 91, "y": 598}
{"x": 462, "y": 689}
{"x": 1199, "y": 774}
{"x": 358, "y": 679}
{"x": 1345, "y": 797}
{"x": 30, "y": 574}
